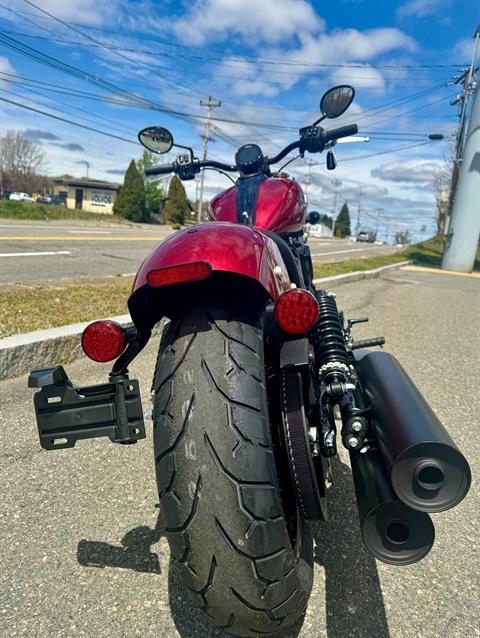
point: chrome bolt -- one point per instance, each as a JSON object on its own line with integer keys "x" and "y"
{"x": 353, "y": 441}
{"x": 357, "y": 426}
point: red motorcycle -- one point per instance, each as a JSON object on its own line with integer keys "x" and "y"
{"x": 252, "y": 363}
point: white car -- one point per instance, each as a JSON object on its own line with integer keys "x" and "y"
{"x": 20, "y": 197}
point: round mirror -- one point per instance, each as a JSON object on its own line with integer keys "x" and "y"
{"x": 337, "y": 100}
{"x": 313, "y": 218}
{"x": 156, "y": 139}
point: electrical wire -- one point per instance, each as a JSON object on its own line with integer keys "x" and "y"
{"x": 62, "y": 119}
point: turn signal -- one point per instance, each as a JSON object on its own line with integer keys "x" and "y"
{"x": 296, "y": 311}
{"x": 103, "y": 341}
{"x": 180, "y": 274}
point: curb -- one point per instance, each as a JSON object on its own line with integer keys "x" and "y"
{"x": 360, "y": 274}
{"x": 42, "y": 348}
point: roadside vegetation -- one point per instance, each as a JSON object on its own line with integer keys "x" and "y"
{"x": 74, "y": 303}
{"x": 71, "y": 303}
{"x": 25, "y": 210}
{"x": 426, "y": 253}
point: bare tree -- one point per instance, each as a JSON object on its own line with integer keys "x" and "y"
{"x": 20, "y": 161}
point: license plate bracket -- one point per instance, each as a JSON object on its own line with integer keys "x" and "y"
{"x": 66, "y": 413}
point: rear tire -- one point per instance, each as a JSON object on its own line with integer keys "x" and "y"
{"x": 217, "y": 477}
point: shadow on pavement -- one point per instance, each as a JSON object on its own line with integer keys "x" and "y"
{"x": 354, "y": 601}
{"x": 134, "y": 552}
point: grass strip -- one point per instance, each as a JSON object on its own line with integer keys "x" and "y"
{"x": 27, "y": 308}
{"x": 354, "y": 265}
{"x": 46, "y": 212}
{"x": 427, "y": 253}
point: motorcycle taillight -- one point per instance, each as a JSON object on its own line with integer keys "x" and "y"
{"x": 103, "y": 341}
{"x": 296, "y": 311}
{"x": 182, "y": 273}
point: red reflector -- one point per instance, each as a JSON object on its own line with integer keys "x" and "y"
{"x": 103, "y": 341}
{"x": 180, "y": 274}
{"x": 296, "y": 311}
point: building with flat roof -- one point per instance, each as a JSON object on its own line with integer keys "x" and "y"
{"x": 91, "y": 195}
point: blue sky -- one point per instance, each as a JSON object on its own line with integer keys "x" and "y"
{"x": 122, "y": 65}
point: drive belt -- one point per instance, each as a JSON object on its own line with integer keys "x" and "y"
{"x": 306, "y": 471}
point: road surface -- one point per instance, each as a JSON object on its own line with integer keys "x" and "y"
{"x": 82, "y": 550}
{"x": 38, "y": 252}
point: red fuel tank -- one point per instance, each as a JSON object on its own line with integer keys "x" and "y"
{"x": 281, "y": 205}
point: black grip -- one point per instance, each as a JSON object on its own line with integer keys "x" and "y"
{"x": 159, "y": 170}
{"x": 368, "y": 343}
{"x": 342, "y": 131}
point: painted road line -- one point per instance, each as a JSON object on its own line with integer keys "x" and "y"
{"x": 69, "y": 238}
{"x": 438, "y": 271}
{"x": 43, "y": 254}
{"x": 51, "y": 226}
{"x": 91, "y": 232}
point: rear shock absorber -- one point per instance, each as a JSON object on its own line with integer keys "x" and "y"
{"x": 330, "y": 347}
{"x": 336, "y": 374}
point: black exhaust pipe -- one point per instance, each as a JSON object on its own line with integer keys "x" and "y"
{"x": 428, "y": 471}
{"x": 393, "y": 532}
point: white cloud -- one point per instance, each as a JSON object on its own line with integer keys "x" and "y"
{"x": 245, "y": 77}
{"x": 364, "y": 76}
{"x": 421, "y": 8}
{"x": 408, "y": 172}
{"x": 89, "y": 12}
{"x": 5, "y": 67}
{"x": 267, "y": 21}
{"x": 464, "y": 49}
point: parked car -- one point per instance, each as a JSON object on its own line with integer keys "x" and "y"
{"x": 367, "y": 235}
{"x": 52, "y": 199}
{"x": 45, "y": 199}
{"x": 20, "y": 197}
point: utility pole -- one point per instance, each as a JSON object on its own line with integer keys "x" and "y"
{"x": 337, "y": 183}
{"x": 466, "y": 78}
{"x": 423, "y": 228}
{"x": 379, "y": 212}
{"x": 87, "y": 164}
{"x": 464, "y": 228}
{"x": 306, "y": 181}
{"x": 359, "y": 210}
{"x": 387, "y": 220}
{"x": 211, "y": 104}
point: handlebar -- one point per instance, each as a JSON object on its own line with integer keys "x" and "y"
{"x": 313, "y": 139}
{"x": 341, "y": 131}
{"x": 197, "y": 166}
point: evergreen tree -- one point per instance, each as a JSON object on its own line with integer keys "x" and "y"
{"x": 326, "y": 220}
{"x": 177, "y": 206}
{"x": 155, "y": 195}
{"x": 342, "y": 224}
{"x": 130, "y": 201}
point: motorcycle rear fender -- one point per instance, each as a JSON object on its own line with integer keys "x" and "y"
{"x": 231, "y": 250}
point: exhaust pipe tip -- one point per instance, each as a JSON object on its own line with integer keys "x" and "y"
{"x": 431, "y": 477}
{"x": 396, "y": 534}
{"x": 428, "y": 471}
{"x": 393, "y": 532}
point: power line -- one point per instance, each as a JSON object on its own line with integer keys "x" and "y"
{"x": 62, "y": 119}
{"x": 270, "y": 60}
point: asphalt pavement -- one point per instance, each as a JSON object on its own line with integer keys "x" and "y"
{"x": 81, "y": 543}
{"x": 34, "y": 252}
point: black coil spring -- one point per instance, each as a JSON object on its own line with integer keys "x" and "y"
{"x": 329, "y": 339}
